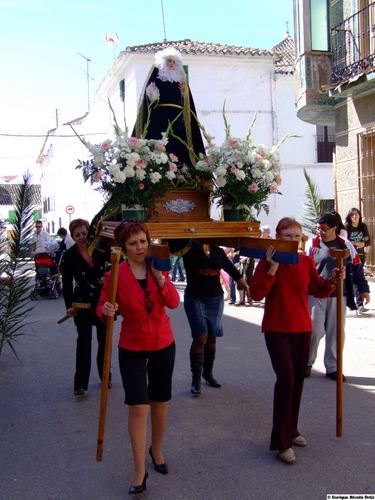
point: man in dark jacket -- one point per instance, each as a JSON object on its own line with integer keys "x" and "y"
{"x": 324, "y": 311}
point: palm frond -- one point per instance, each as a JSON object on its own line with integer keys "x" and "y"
{"x": 311, "y": 208}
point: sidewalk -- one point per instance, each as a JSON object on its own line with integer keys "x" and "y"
{"x": 216, "y": 445}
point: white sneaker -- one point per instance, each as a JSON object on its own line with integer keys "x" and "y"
{"x": 363, "y": 309}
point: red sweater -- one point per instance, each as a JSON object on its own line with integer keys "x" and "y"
{"x": 287, "y": 308}
{"x": 141, "y": 330}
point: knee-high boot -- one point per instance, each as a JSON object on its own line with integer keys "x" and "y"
{"x": 196, "y": 364}
{"x": 208, "y": 364}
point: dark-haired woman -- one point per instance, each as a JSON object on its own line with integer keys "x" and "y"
{"x": 146, "y": 344}
{"x": 82, "y": 278}
{"x": 358, "y": 235}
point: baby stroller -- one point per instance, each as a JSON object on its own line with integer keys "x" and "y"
{"x": 48, "y": 277}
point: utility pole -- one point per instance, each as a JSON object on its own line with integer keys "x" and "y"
{"x": 88, "y": 60}
{"x": 162, "y": 12}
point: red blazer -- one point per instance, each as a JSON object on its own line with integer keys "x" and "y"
{"x": 141, "y": 330}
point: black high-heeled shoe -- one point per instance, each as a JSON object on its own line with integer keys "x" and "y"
{"x": 138, "y": 489}
{"x": 162, "y": 468}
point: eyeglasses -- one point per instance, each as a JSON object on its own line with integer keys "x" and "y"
{"x": 324, "y": 231}
{"x": 291, "y": 236}
{"x": 147, "y": 301}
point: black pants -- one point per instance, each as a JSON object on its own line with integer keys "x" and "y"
{"x": 84, "y": 322}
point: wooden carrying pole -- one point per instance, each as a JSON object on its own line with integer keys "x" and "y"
{"x": 115, "y": 259}
{"x": 339, "y": 255}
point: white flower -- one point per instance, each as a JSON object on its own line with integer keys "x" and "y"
{"x": 269, "y": 176}
{"x": 119, "y": 177}
{"x": 170, "y": 175}
{"x": 220, "y": 171}
{"x": 129, "y": 171}
{"x": 240, "y": 174}
{"x": 114, "y": 168}
{"x": 155, "y": 177}
{"x": 257, "y": 173}
{"x": 267, "y": 164}
{"x": 140, "y": 174}
{"x": 132, "y": 159}
{"x": 221, "y": 181}
{"x": 163, "y": 158}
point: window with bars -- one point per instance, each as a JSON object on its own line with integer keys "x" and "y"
{"x": 366, "y": 186}
{"x": 325, "y": 143}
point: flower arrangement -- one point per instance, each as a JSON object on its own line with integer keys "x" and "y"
{"x": 136, "y": 171}
{"x": 244, "y": 175}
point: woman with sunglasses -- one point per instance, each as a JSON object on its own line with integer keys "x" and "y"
{"x": 146, "y": 344}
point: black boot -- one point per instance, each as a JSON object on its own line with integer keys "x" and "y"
{"x": 208, "y": 364}
{"x": 196, "y": 363}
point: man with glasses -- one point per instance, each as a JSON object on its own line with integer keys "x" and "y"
{"x": 40, "y": 238}
{"x": 323, "y": 311}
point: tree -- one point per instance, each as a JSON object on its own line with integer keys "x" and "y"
{"x": 15, "y": 285}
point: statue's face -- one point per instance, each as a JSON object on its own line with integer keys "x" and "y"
{"x": 170, "y": 62}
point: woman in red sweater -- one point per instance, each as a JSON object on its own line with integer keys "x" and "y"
{"x": 287, "y": 327}
{"x": 146, "y": 344}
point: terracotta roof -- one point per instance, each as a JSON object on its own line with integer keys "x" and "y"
{"x": 8, "y": 194}
{"x": 285, "y": 49}
{"x": 193, "y": 47}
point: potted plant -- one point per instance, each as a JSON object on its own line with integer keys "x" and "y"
{"x": 244, "y": 175}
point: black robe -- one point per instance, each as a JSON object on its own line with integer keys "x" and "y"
{"x": 170, "y": 104}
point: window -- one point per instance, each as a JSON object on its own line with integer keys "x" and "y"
{"x": 122, "y": 90}
{"x": 325, "y": 143}
{"x": 327, "y": 206}
{"x": 319, "y": 25}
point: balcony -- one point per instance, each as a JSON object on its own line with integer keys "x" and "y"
{"x": 353, "y": 46}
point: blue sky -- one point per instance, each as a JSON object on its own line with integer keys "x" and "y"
{"x": 40, "y": 41}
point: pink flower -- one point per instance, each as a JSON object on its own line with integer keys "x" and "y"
{"x": 141, "y": 186}
{"x": 173, "y": 167}
{"x": 106, "y": 144}
{"x": 140, "y": 164}
{"x": 278, "y": 180}
{"x": 96, "y": 177}
{"x": 273, "y": 188}
{"x": 133, "y": 142}
{"x": 208, "y": 160}
{"x": 259, "y": 157}
{"x": 160, "y": 146}
{"x": 233, "y": 144}
{"x": 173, "y": 157}
{"x": 253, "y": 187}
{"x": 233, "y": 169}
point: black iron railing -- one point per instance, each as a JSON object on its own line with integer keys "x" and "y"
{"x": 353, "y": 45}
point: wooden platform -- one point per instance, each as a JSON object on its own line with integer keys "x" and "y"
{"x": 195, "y": 230}
{"x": 242, "y": 234}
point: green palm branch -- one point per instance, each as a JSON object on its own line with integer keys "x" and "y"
{"x": 312, "y": 207}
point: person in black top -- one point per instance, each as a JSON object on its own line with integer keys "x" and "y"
{"x": 359, "y": 236}
{"x": 82, "y": 278}
{"x": 204, "y": 305}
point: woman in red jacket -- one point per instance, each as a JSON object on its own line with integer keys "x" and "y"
{"x": 287, "y": 327}
{"x": 146, "y": 344}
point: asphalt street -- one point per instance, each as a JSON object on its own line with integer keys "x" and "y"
{"x": 216, "y": 445}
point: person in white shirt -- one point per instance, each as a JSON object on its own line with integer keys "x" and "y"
{"x": 67, "y": 240}
{"x": 40, "y": 238}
